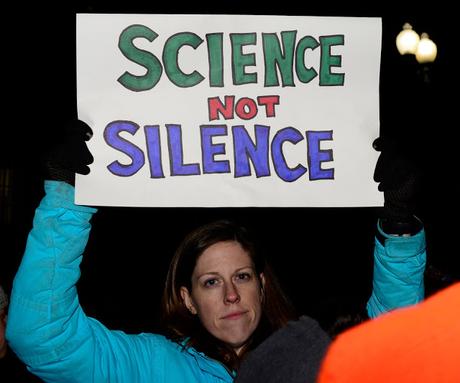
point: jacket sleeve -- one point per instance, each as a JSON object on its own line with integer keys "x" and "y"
{"x": 47, "y": 327}
{"x": 399, "y": 265}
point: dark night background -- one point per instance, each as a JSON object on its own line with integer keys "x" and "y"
{"x": 323, "y": 257}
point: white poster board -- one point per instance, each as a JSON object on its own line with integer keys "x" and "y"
{"x": 229, "y": 110}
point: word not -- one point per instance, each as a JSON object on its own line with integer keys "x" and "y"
{"x": 286, "y": 57}
{"x": 245, "y": 151}
{"x": 245, "y": 108}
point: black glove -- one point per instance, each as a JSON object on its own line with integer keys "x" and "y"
{"x": 70, "y": 154}
{"x": 398, "y": 175}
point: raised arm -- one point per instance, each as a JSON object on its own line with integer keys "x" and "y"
{"x": 47, "y": 327}
{"x": 400, "y": 249}
{"x": 46, "y": 323}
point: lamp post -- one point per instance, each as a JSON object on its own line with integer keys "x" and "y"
{"x": 408, "y": 41}
{"x": 426, "y": 50}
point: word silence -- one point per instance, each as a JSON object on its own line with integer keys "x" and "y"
{"x": 260, "y": 154}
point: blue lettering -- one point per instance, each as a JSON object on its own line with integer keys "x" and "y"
{"x": 316, "y": 156}
{"x": 152, "y": 137}
{"x": 282, "y": 169}
{"x": 245, "y": 149}
{"x": 176, "y": 156}
{"x": 210, "y": 149}
{"x": 113, "y": 139}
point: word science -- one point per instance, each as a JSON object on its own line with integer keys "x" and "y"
{"x": 281, "y": 54}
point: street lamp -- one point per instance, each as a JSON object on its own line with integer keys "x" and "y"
{"x": 426, "y": 50}
{"x": 407, "y": 40}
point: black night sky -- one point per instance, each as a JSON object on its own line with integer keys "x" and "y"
{"x": 323, "y": 256}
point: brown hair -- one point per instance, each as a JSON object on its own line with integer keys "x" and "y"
{"x": 185, "y": 328}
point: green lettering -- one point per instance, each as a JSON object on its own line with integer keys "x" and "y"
{"x": 170, "y": 59}
{"x": 275, "y": 58}
{"x": 141, "y": 57}
{"x": 328, "y": 60}
{"x": 216, "y": 59}
{"x": 305, "y": 74}
{"x": 240, "y": 61}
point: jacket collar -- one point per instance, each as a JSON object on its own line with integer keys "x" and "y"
{"x": 210, "y": 366}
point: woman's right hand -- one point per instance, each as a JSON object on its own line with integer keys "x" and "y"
{"x": 70, "y": 154}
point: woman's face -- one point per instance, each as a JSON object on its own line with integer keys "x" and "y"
{"x": 226, "y": 293}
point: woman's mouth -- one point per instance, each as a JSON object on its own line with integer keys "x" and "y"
{"x": 234, "y": 315}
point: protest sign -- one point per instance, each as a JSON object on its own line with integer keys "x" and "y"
{"x": 229, "y": 110}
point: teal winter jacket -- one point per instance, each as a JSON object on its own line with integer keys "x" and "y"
{"x": 49, "y": 331}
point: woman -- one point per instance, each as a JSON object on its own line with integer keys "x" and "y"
{"x": 220, "y": 300}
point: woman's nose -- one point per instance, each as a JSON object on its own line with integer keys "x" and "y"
{"x": 231, "y": 294}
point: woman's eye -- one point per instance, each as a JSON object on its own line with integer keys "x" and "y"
{"x": 243, "y": 276}
{"x": 210, "y": 282}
